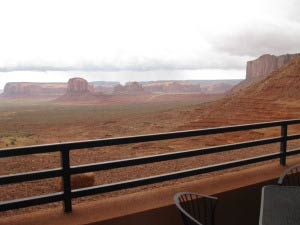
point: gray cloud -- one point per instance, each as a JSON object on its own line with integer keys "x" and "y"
{"x": 213, "y": 61}
{"x": 260, "y": 39}
{"x": 167, "y": 43}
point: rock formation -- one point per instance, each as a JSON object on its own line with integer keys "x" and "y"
{"x": 172, "y": 87}
{"x": 79, "y": 90}
{"x": 266, "y": 64}
{"x": 26, "y": 89}
{"x": 283, "y": 83}
{"x": 130, "y": 88}
{"x": 78, "y": 86}
{"x": 207, "y": 87}
{"x": 275, "y": 97}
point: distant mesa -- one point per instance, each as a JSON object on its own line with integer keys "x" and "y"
{"x": 172, "y": 87}
{"x": 266, "y": 64}
{"x": 190, "y": 86}
{"x": 130, "y": 88}
{"x": 81, "y": 89}
{"x": 75, "y": 87}
{"x": 30, "y": 89}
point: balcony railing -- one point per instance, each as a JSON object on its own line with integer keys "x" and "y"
{"x": 66, "y": 170}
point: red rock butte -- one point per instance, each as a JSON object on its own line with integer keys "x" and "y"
{"x": 78, "y": 86}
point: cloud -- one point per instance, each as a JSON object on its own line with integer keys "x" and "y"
{"x": 260, "y": 38}
{"x": 195, "y": 62}
{"x": 141, "y": 35}
{"x": 291, "y": 10}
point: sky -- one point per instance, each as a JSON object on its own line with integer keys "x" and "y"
{"x": 53, "y": 40}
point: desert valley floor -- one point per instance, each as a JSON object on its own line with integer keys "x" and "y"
{"x": 30, "y": 123}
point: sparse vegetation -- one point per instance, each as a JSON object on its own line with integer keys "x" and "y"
{"x": 13, "y": 141}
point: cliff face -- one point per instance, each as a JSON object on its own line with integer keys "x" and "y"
{"x": 281, "y": 84}
{"x": 23, "y": 89}
{"x": 266, "y": 64}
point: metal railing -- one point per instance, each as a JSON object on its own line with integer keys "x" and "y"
{"x": 67, "y": 170}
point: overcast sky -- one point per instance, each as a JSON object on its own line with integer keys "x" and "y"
{"x": 141, "y": 39}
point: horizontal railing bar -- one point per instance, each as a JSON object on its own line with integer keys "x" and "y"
{"x": 136, "y": 139}
{"x": 293, "y": 152}
{"x": 30, "y": 150}
{"x": 169, "y": 176}
{"x": 169, "y": 156}
{"x": 31, "y": 201}
{"x": 293, "y": 136}
{"x": 30, "y": 176}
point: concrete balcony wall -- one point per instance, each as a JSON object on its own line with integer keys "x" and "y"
{"x": 236, "y": 207}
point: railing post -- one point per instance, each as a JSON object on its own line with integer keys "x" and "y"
{"x": 283, "y": 144}
{"x": 66, "y": 180}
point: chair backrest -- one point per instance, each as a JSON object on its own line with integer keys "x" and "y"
{"x": 290, "y": 177}
{"x": 196, "y": 209}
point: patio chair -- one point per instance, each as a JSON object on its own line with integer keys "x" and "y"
{"x": 196, "y": 209}
{"x": 290, "y": 177}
